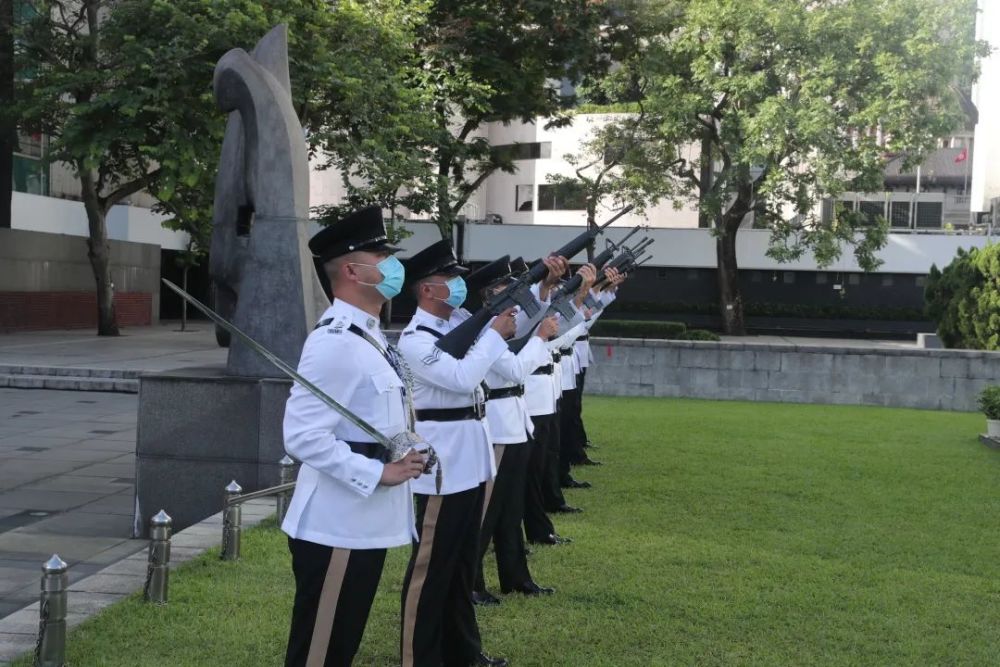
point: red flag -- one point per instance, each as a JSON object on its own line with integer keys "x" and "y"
{"x": 962, "y": 156}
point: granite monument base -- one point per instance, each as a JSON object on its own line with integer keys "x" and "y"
{"x": 199, "y": 429}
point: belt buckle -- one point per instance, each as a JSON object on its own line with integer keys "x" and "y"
{"x": 480, "y": 408}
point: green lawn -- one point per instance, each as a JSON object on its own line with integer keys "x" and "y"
{"x": 716, "y": 533}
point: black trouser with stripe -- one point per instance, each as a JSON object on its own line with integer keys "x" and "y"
{"x": 502, "y": 518}
{"x": 581, "y": 428}
{"x": 551, "y": 486}
{"x": 439, "y": 619}
{"x": 570, "y": 445}
{"x": 334, "y": 589}
{"x": 537, "y": 525}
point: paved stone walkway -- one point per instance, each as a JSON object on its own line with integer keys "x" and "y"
{"x": 158, "y": 348}
{"x": 67, "y": 476}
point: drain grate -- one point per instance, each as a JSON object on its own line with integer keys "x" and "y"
{"x": 22, "y": 519}
{"x": 31, "y": 449}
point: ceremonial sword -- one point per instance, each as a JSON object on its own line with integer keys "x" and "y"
{"x": 398, "y": 446}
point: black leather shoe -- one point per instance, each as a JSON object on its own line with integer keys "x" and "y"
{"x": 530, "y": 588}
{"x": 568, "y": 509}
{"x": 485, "y": 599}
{"x": 575, "y": 484}
{"x": 487, "y": 661}
{"x": 552, "y": 540}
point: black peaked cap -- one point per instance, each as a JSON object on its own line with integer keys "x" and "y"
{"x": 488, "y": 275}
{"x": 361, "y": 230}
{"x": 436, "y": 259}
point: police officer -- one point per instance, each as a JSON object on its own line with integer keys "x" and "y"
{"x": 350, "y": 504}
{"x": 439, "y": 620}
{"x": 510, "y": 429}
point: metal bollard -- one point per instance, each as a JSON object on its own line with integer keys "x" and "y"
{"x": 232, "y": 518}
{"x": 286, "y": 475}
{"x": 51, "y": 648}
{"x": 158, "y": 569}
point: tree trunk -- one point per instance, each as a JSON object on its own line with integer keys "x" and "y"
{"x": 705, "y": 179}
{"x": 8, "y": 124}
{"x": 184, "y": 303}
{"x": 591, "y": 225}
{"x": 730, "y": 297}
{"x": 99, "y": 253}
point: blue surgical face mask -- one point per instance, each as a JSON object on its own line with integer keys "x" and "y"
{"x": 457, "y": 291}
{"x": 393, "y": 276}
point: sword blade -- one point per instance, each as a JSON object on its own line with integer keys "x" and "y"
{"x": 282, "y": 366}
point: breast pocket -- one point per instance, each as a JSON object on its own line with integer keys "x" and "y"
{"x": 389, "y": 389}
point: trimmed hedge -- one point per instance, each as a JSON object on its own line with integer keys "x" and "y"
{"x": 638, "y": 329}
{"x": 760, "y": 309}
{"x": 649, "y": 329}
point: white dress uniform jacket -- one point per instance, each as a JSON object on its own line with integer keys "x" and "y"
{"x": 442, "y": 381}
{"x": 338, "y": 501}
{"x": 508, "y": 417}
{"x": 581, "y": 349}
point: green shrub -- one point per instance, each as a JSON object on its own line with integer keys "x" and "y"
{"x": 989, "y": 402}
{"x": 764, "y": 309}
{"x": 638, "y": 329}
{"x": 698, "y": 334}
{"x": 964, "y": 299}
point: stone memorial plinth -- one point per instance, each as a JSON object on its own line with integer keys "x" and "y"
{"x": 199, "y": 429}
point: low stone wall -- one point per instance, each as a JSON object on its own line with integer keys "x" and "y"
{"x": 912, "y": 378}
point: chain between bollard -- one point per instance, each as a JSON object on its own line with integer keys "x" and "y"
{"x": 50, "y": 650}
{"x": 232, "y": 518}
{"x": 158, "y": 568}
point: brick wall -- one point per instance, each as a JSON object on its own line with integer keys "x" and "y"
{"x": 34, "y": 311}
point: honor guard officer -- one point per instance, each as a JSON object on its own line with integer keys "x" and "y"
{"x": 583, "y": 356}
{"x": 439, "y": 620}
{"x": 510, "y": 429}
{"x": 350, "y": 504}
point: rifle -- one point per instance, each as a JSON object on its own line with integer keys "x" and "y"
{"x": 458, "y": 341}
{"x": 561, "y": 300}
{"x": 625, "y": 262}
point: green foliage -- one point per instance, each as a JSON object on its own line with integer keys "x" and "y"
{"x": 989, "y": 402}
{"x": 638, "y": 329}
{"x": 883, "y": 519}
{"x": 964, "y": 299}
{"x": 775, "y": 103}
{"x": 765, "y": 309}
{"x": 699, "y": 334}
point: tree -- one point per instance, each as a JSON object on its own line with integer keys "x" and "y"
{"x": 963, "y": 299}
{"x": 8, "y": 119}
{"x": 784, "y": 103}
{"x": 618, "y": 168}
{"x": 466, "y": 63}
{"x": 123, "y": 90}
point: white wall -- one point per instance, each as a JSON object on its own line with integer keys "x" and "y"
{"x": 500, "y": 187}
{"x": 986, "y": 96}
{"x": 695, "y": 248}
{"x": 64, "y": 216}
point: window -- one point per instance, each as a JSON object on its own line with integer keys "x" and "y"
{"x": 788, "y": 277}
{"x": 523, "y": 198}
{"x": 900, "y": 214}
{"x": 692, "y": 274}
{"x": 929, "y": 215}
{"x": 662, "y": 273}
{"x": 30, "y": 173}
{"x": 872, "y": 210}
{"x": 561, "y": 197}
{"x": 854, "y": 279}
{"x": 826, "y": 210}
{"x": 528, "y": 151}
{"x": 756, "y": 276}
{"x": 920, "y": 281}
{"x": 887, "y": 281}
{"x": 821, "y": 278}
